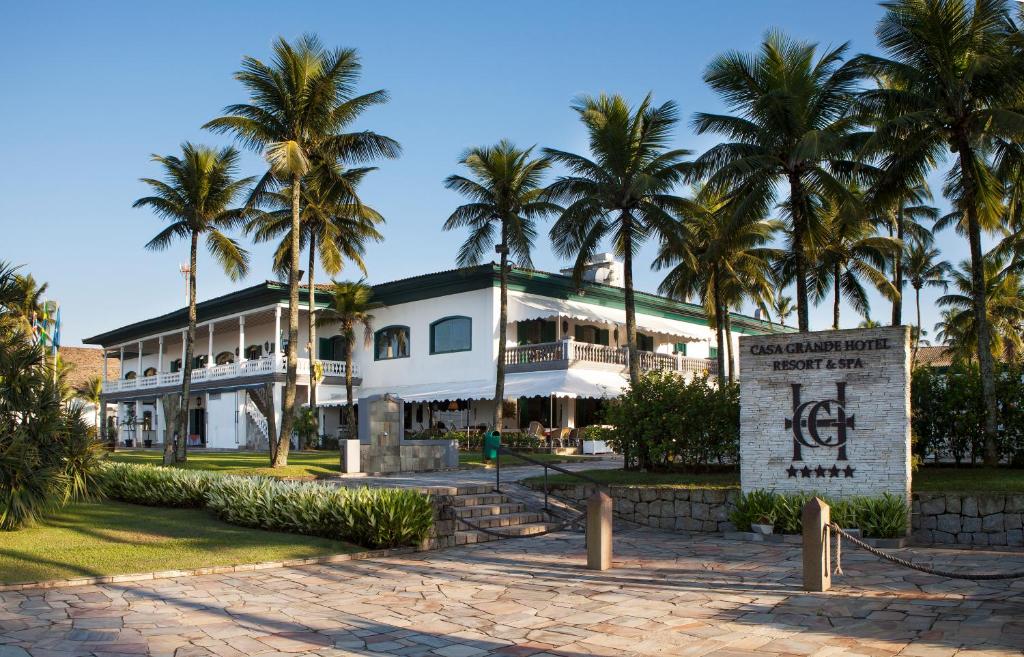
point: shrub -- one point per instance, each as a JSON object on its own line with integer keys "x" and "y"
{"x": 666, "y": 421}
{"x": 876, "y": 517}
{"x": 157, "y": 486}
{"x": 755, "y": 507}
{"x": 383, "y": 517}
{"x": 882, "y": 517}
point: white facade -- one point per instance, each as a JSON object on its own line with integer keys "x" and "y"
{"x": 563, "y": 344}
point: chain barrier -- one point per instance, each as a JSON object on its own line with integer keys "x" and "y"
{"x": 910, "y": 564}
{"x": 492, "y": 532}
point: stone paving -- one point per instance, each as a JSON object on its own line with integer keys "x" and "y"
{"x": 669, "y": 594}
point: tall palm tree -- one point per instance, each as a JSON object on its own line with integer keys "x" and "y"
{"x": 505, "y": 192}
{"x": 924, "y": 269}
{"x": 336, "y": 225}
{"x": 1004, "y": 309}
{"x": 197, "y": 196}
{"x": 960, "y": 77}
{"x": 350, "y": 308}
{"x": 850, "y": 253}
{"x": 622, "y": 192}
{"x": 717, "y": 261}
{"x": 91, "y": 390}
{"x": 792, "y": 125}
{"x": 782, "y": 307}
{"x": 298, "y": 106}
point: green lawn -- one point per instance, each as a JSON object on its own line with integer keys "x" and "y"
{"x": 930, "y": 479}
{"x": 300, "y": 464}
{"x": 476, "y": 459}
{"x": 112, "y": 538}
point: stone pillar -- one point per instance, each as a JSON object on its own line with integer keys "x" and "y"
{"x": 599, "y": 532}
{"x": 817, "y": 546}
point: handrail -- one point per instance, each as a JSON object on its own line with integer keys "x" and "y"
{"x": 520, "y": 455}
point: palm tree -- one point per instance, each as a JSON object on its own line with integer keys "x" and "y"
{"x": 867, "y": 322}
{"x": 850, "y": 253}
{"x": 793, "y": 125}
{"x": 196, "y": 196}
{"x": 960, "y": 76}
{"x": 717, "y": 261}
{"x": 336, "y": 225}
{"x": 924, "y": 269}
{"x": 298, "y": 105}
{"x": 91, "y": 390}
{"x": 622, "y": 192}
{"x": 351, "y": 309}
{"x": 505, "y": 198}
{"x": 1004, "y": 309}
{"x": 782, "y": 307}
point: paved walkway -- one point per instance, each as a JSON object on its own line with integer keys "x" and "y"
{"x": 668, "y": 594}
{"x": 475, "y": 476}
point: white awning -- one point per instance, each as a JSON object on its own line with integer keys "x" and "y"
{"x": 523, "y": 308}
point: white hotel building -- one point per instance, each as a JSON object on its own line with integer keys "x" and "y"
{"x": 435, "y": 345}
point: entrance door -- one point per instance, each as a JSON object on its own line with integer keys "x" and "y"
{"x": 221, "y": 420}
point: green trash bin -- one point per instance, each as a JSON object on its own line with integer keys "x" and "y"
{"x": 492, "y": 441}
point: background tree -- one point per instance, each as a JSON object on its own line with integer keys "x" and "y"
{"x": 196, "y": 196}
{"x": 351, "y": 310}
{"x": 91, "y": 391}
{"x": 924, "y": 269}
{"x": 1004, "y": 310}
{"x": 505, "y": 202}
{"x": 959, "y": 78}
{"x": 782, "y": 307}
{"x": 716, "y": 260}
{"x": 622, "y": 192}
{"x": 336, "y": 225}
{"x": 298, "y": 106}
{"x": 793, "y": 125}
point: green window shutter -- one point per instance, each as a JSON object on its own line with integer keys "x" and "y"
{"x": 713, "y": 352}
{"x": 681, "y": 348}
{"x": 326, "y": 350}
{"x": 644, "y": 342}
{"x": 579, "y": 333}
{"x": 547, "y": 331}
{"x": 602, "y": 337}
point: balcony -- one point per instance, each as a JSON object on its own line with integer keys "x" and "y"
{"x": 265, "y": 366}
{"x": 570, "y": 353}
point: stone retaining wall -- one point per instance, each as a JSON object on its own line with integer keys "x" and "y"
{"x": 677, "y": 509}
{"x": 968, "y": 519}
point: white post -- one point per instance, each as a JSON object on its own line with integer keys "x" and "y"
{"x": 138, "y": 374}
{"x": 138, "y": 424}
{"x": 241, "y": 339}
{"x": 160, "y": 355}
{"x": 120, "y": 364}
{"x": 104, "y": 366}
{"x": 209, "y": 345}
{"x": 184, "y": 336}
{"x": 277, "y": 334}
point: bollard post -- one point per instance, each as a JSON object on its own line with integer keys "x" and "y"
{"x": 599, "y": 531}
{"x": 817, "y": 546}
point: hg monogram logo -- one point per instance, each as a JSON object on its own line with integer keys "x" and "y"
{"x": 810, "y": 418}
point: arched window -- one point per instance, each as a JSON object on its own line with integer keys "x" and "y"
{"x": 225, "y": 357}
{"x": 391, "y": 342}
{"x": 253, "y": 351}
{"x": 450, "y": 334}
{"x": 129, "y": 374}
{"x": 150, "y": 371}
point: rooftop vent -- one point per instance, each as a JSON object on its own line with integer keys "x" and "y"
{"x": 602, "y": 268}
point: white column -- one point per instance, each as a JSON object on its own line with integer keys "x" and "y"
{"x": 138, "y": 423}
{"x": 138, "y": 374}
{"x": 277, "y": 330}
{"x": 104, "y": 365}
{"x": 241, "y": 339}
{"x": 160, "y": 355}
{"x": 120, "y": 363}
{"x": 209, "y": 345}
{"x": 184, "y": 336}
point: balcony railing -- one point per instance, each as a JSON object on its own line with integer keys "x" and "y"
{"x": 255, "y": 367}
{"x": 571, "y": 351}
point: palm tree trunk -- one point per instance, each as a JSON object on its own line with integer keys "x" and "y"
{"x": 350, "y": 413}
{"x": 986, "y": 366}
{"x": 719, "y": 327}
{"x": 292, "y": 362}
{"x": 182, "y": 424}
{"x": 917, "y": 338}
{"x": 312, "y": 348}
{"x": 627, "y": 265}
{"x": 897, "y": 268}
{"x": 728, "y": 345}
{"x": 499, "y": 381}
{"x": 838, "y": 293}
{"x": 799, "y": 257}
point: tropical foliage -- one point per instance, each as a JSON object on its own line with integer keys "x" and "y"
{"x": 876, "y": 517}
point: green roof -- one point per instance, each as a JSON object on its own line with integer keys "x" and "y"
{"x": 429, "y": 286}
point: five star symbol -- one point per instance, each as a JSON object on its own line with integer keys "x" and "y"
{"x": 820, "y": 472}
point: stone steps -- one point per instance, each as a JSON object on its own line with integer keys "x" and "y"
{"x": 477, "y": 500}
{"x": 464, "y": 537}
{"x": 495, "y": 512}
{"x": 478, "y": 510}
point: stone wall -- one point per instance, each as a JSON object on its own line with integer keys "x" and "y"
{"x": 827, "y": 411}
{"x": 442, "y": 534}
{"x": 676, "y": 509}
{"x": 968, "y": 519}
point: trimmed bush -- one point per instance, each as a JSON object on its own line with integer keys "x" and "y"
{"x": 876, "y": 517}
{"x": 157, "y": 486}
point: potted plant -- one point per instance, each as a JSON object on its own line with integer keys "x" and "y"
{"x": 148, "y": 442}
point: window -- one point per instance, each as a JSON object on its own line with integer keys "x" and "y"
{"x": 644, "y": 342}
{"x": 391, "y": 342}
{"x": 331, "y": 348}
{"x": 253, "y": 351}
{"x": 536, "y": 331}
{"x": 176, "y": 365}
{"x": 130, "y": 374}
{"x": 713, "y": 352}
{"x": 591, "y": 334}
{"x": 150, "y": 371}
{"x": 451, "y": 334}
{"x": 200, "y": 361}
{"x": 225, "y": 357}
{"x": 680, "y": 348}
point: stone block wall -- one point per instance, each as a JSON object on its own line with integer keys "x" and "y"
{"x": 442, "y": 534}
{"x": 968, "y": 518}
{"x": 676, "y": 509}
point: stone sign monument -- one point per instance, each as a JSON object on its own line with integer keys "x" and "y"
{"x": 827, "y": 411}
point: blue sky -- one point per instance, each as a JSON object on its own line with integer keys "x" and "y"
{"x": 92, "y": 89}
